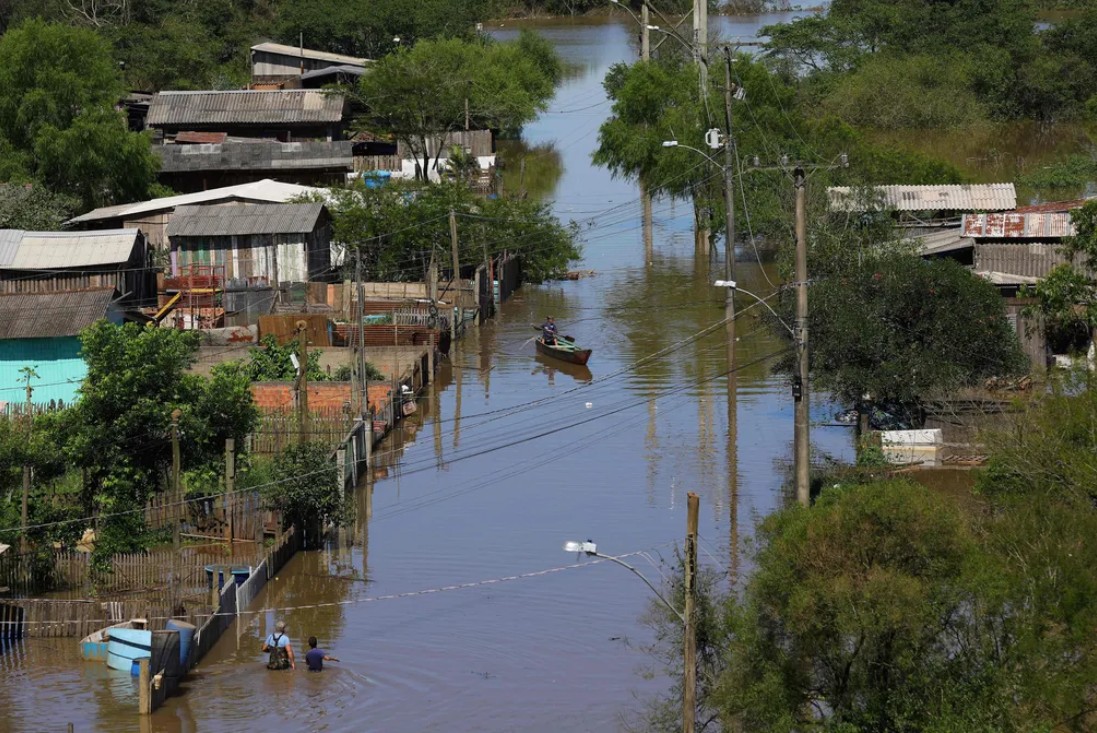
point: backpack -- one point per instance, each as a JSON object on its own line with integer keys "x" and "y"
{"x": 278, "y": 657}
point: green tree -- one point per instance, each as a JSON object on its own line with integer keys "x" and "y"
{"x": 888, "y": 324}
{"x": 434, "y": 87}
{"x": 34, "y": 208}
{"x": 306, "y": 487}
{"x": 1068, "y": 295}
{"x": 374, "y": 28}
{"x": 120, "y": 429}
{"x": 270, "y": 361}
{"x": 58, "y": 124}
{"x": 397, "y": 226}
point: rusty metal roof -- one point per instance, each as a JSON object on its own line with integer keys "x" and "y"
{"x": 48, "y": 315}
{"x": 245, "y": 106}
{"x": 1008, "y": 225}
{"x": 227, "y": 221}
{"x": 1051, "y": 206}
{"x": 199, "y": 138}
{"x": 60, "y": 250}
{"x": 966, "y": 197}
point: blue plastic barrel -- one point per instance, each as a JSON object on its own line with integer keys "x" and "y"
{"x": 186, "y": 636}
{"x": 241, "y": 574}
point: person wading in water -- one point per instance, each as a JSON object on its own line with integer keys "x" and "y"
{"x": 278, "y": 646}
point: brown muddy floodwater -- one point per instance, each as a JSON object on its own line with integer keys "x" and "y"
{"x": 509, "y": 457}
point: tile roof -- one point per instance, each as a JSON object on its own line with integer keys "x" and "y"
{"x": 61, "y": 250}
{"x": 48, "y": 315}
{"x": 266, "y": 190}
{"x": 1011, "y": 224}
{"x": 967, "y": 197}
{"x": 226, "y": 221}
{"x": 308, "y": 53}
{"x": 245, "y": 106}
{"x": 264, "y": 156}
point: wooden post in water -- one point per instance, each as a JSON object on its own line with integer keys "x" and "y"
{"x": 144, "y": 686}
{"x": 176, "y": 479}
{"x": 303, "y": 381}
{"x": 456, "y": 277}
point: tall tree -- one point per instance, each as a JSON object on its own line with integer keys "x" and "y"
{"x": 436, "y": 87}
{"x": 58, "y": 122}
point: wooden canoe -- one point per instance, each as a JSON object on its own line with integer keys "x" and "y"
{"x": 564, "y": 350}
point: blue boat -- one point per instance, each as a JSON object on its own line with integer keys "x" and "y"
{"x": 127, "y": 645}
{"x": 93, "y": 647}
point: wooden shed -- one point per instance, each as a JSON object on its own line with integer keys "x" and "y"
{"x": 260, "y": 244}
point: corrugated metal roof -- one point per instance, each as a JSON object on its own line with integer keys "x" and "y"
{"x": 1054, "y": 225}
{"x": 332, "y": 71}
{"x": 1006, "y": 278}
{"x": 48, "y": 315}
{"x": 198, "y": 138}
{"x": 226, "y": 221}
{"x": 308, "y": 53}
{"x": 256, "y": 156}
{"x": 1051, "y": 206}
{"x": 60, "y": 250}
{"x": 968, "y": 197}
{"x": 9, "y": 244}
{"x": 942, "y": 241}
{"x": 266, "y": 190}
{"x": 245, "y": 106}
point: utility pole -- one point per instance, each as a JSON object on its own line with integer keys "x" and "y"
{"x": 363, "y": 383}
{"x": 700, "y": 40}
{"x": 176, "y": 478}
{"x": 729, "y": 194}
{"x": 28, "y": 422}
{"x": 689, "y": 657}
{"x": 645, "y": 194}
{"x": 432, "y": 290}
{"x": 456, "y": 277}
{"x": 303, "y": 381}
{"x": 230, "y": 489}
{"x": 800, "y": 389}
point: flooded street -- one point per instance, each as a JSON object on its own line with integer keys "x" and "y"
{"x": 509, "y": 456}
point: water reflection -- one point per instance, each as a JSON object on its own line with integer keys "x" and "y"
{"x": 551, "y": 367}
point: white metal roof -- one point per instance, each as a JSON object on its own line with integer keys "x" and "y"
{"x": 966, "y": 197}
{"x": 60, "y": 250}
{"x": 950, "y": 239}
{"x": 308, "y": 53}
{"x": 266, "y": 190}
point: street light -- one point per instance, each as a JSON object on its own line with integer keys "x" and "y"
{"x": 732, "y": 285}
{"x": 590, "y": 549}
{"x": 686, "y": 616}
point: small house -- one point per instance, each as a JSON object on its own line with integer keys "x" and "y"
{"x": 285, "y": 115}
{"x": 45, "y": 262}
{"x": 41, "y": 331}
{"x": 276, "y": 62}
{"x": 258, "y": 244}
{"x": 916, "y": 205}
{"x": 153, "y": 216}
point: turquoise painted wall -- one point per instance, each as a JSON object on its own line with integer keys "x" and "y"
{"x": 57, "y": 361}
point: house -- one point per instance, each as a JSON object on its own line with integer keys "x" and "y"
{"x": 259, "y": 244}
{"x": 197, "y": 167}
{"x": 46, "y": 262}
{"x": 275, "y": 62}
{"x": 41, "y": 331}
{"x": 285, "y": 115}
{"x": 373, "y": 154}
{"x": 153, "y": 216}
{"x": 918, "y": 203}
{"x": 1014, "y": 249}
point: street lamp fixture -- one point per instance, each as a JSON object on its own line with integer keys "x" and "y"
{"x": 732, "y": 285}
{"x": 590, "y": 549}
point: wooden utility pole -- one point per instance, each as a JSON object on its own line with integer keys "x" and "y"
{"x": 490, "y": 275}
{"x": 645, "y": 33}
{"x": 456, "y": 277}
{"x": 700, "y": 40}
{"x": 689, "y": 657}
{"x": 729, "y": 194}
{"x": 229, "y": 503}
{"x": 303, "y": 382}
{"x": 432, "y": 293}
{"x": 176, "y": 479}
{"x": 363, "y": 382}
{"x": 28, "y": 426}
{"x": 800, "y": 389}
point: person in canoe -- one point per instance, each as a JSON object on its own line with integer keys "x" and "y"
{"x": 549, "y": 331}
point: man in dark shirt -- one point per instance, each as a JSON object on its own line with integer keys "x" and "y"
{"x": 549, "y": 331}
{"x": 315, "y": 658}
